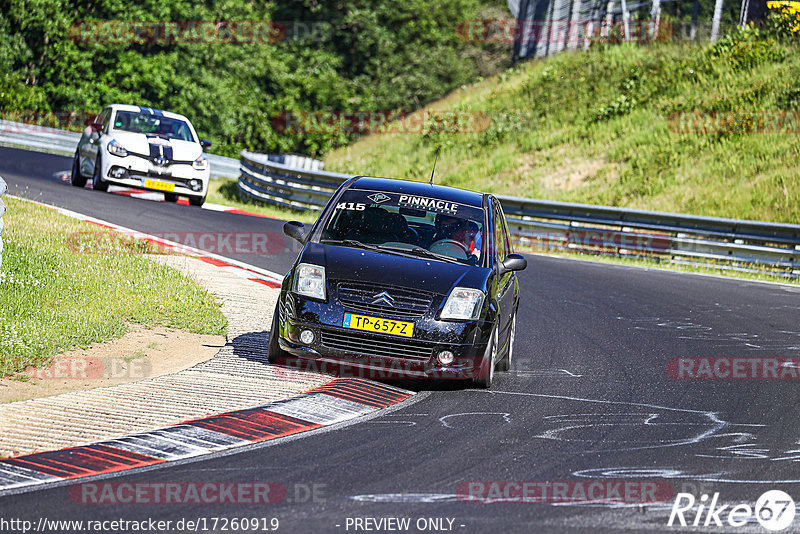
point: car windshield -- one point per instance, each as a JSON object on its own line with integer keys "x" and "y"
{"x": 156, "y": 125}
{"x": 407, "y": 224}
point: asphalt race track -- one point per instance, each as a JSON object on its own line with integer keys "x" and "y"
{"x": 589, "y": 399}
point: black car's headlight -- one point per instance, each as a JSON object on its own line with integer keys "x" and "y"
{"x": 463, "y": 303}
{"x": 309, "y": 280}
{"x": 201, "y": 163}
{"x": 117, "y": 149}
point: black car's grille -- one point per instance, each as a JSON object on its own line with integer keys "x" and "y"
{"x": 384, "y": 300}
{"x": 368, "y": 345}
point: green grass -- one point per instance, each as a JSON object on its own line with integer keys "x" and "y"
{"x": 67, "y": 284}
{"x": 225, "y": 191}
{"x": 594, "y": 127}
{"x": 136, "y": 355}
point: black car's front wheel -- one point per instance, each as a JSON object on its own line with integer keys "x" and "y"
{"x": 76, "y": 178}
{"x": 274, "y": 350}
{"x": 485, "y": 375}
{"x": 98, "y": 184}
{"x": 170, "y": 197}
{"x": 505, "y": 364}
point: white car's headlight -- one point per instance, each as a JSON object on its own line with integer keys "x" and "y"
{"x": 117, "y": 149}
{"x": 201, "y": 163}
{"x": 309, "y": 280}
{"x": 463, "y": 303}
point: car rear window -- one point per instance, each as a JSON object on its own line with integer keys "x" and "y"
{"x": 404, "y": 221}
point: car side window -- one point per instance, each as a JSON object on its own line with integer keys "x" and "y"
{"x": 105, "y": 119}
{"x": 98, "y": 119}
{"x": 499, "y": 235}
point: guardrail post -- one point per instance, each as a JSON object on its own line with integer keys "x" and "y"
{"x": 3, "y": 188}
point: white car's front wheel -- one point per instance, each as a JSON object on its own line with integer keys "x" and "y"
{"x": 98, "y": 184}
{"x": 76, "y": 178}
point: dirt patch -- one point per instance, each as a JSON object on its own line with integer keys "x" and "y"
{"x": 139, "y": 354}
{"x": 571, "y": 173}
{"x": 560, "y": 170}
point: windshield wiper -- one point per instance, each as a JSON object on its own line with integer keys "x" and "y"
{"x": 414, "y": 252}
{"x": 358, "y": 244}
{"x": 419, "y": 251}
{"x": 349, "y": 243}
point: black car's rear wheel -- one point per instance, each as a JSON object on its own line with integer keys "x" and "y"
{"x": 486, "y": 371}
{"x": 274, "y": 350}
{"x": 98, "y": 184}
{"x": 505, "y": 364}
{"x": 76, "y": 178}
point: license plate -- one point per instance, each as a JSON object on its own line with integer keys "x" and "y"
{"x": 376, "y": 324}
{"x": 160, "y": 186}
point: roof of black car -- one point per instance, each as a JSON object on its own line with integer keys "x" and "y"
{"x": 408, "y": 187}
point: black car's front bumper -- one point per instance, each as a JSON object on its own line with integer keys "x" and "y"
{"x": 377, "y": 355}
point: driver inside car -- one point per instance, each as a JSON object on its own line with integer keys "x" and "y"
{"x": 461, "y": 230}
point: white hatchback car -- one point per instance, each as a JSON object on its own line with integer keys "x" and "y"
{"x": 143, "y": 148}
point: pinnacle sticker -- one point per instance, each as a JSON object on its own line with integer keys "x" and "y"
{"x": 378, "y": 198}
{"x": 433, "y": 204}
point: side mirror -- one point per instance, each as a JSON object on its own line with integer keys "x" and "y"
{"x": 295, "y": 230}
{"x": 513, "y": 262}
{"x": 205, "y": 143}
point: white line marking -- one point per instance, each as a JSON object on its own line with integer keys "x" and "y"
{"x": 506, "y": 417}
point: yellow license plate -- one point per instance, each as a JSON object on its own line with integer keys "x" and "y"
{"x": 161, "y": 186}
{"x": 376, "y": 324}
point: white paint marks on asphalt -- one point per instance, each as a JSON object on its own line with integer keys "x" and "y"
{"x": 545, "y": 373}
{"x": 444, "y": 420}
{"x": 407, "y": 497}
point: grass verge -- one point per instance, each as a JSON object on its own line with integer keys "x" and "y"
{"x": 66, "y": 284}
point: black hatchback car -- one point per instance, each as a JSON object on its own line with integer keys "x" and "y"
{"x": 402, "y": 279}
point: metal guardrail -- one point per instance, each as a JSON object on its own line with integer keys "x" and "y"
{"x": 542, "y": 225}
{"x": 3, "y": 189}
{"x": 281, "y": 185}
{"x": 64, "y": 143}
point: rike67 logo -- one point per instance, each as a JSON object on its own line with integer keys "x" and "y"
{"x": 774, "y": 511}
